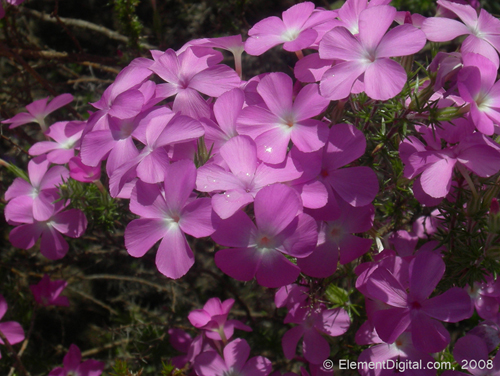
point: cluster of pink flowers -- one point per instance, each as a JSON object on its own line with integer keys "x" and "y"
{"x": 283, "y": 192}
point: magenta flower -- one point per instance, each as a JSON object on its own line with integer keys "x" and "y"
{"x": 402, "y": 349}
{"x": 39, "y": 194}
{"x": 71, "y": 223}
{"x": 283, "y": 120}
{"x": 72, "y": 365}
{"x": 48, "y": 292}
{"x": 259, "y": 248}
{"x": 338, "y": 241}
{"x": 477, "y": 86}
{"x": 213, "y": 320}
{"x": 313, "y": 322}
{"x": 485, "y": 296}
{"x": 368, "y": 55}
{"x": 12, "y": 330}
{"x": 413, "y": 309}
{"x": 483, "y": 31}
{"x": 65, "y": 134}
{"x": 296, "y": 30}
{"x": 190, "y": 73}
{"x": 81, "y": 172}
{"x": 168, "y": 215}
{"x": 245, "y": 178}
{"x": 38, "y": 111}
{"x": 235, "y": 362}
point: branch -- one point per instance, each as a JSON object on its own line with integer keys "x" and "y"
{"x": 85, "y": 25}
{"x": 19, "y": 364}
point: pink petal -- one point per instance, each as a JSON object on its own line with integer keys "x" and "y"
{"x": 264, "y": 35}
{"x": 403, "y": 40}
{"x": 72, "y": 223}
{"x": 180, "y": 179}
{"x": 358, "y": 186}
{"x": 43, "y": 207}
{"x": 53, "y": 246}
{"x": 13, "y": 331}
{"x": 438, "y": 29}
{"x": 373, "y": 24}
{"x": 309, "y": 135}
{"x": 426, "y": 271}
{"x": 391, "y": 323}
{"x": 240, "y": 153}
{"x": 58, "y": 102}
{"x": 174, "y": 257}
{"x": 19, "y": 187}
{"x": 215, "y": 80}
{"x": 338, "y": 81}
{"x": 345, "y": 144}
{"x": 212, "y": 177}
{"x": 290, "y": 340}
{"x": 334, "y": 322}
{"x": 301, "y": 236}
{"x": 229, "y": 202}
{"x": 257, "y": 366}
{"x": 382, "y": 285}
{"x": 322, "y": 263}
{"x": 237, "y": 231}
{"x": 436, "y": 179}
{"x": 127, "y": 104}
{"x": 340, "y": 44}
{"x": 388, "y": 71}
{"x": 20, "y": 210}
{"x": 25, "y": 236}
{"x": 142, "y": 234}
{"x": 276, "y": 90}
{"x": 227, "y": 108}
{"x": 427, "y": 334}
{"x": 236, "y": 354}
{"x": 209, "y": 363}
{"x": 238, "y": 263}
{"x": 352, "y": 247}
{"x": 197, "y": 218}
{"x": 272, "y": 145}
{"x": 266, "y": 272}
{"x": 315, "y": 348}
{"x": 95, "y": 146}
{"x": 304, "y": 40}
{"x": 190, "y": 103}
{"x": 37, "y": 168}
{"x": 453, "y": 305}
{"x": 275, "y": 207}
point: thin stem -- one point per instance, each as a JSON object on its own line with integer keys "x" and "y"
{"x": 299, "y": 54}
{"x": 19, "y": 364}
{"x": 468, "y": 179}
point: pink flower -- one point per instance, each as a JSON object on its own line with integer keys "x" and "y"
{"x": 81, "y": 172}
{"x": 368, "y": 55}
{"x": 413, "y": 309}
{"x": 313, "y": 322}
{"x": 213, "y": 320}
{"x": 296, "y": 30}
{"x": 71, "y": 223}
{"x": 10, "y": 329}
{"x": 72, "y": 365}
{"x": 259, "y": 249}
{"x": 235, "y": 362}
{"x": 190, "y": 73}
{"x": 168, "y": 215}
{"x": 66, "y": 135}
{"x": 48, "y": 292}
{"x": 38, "y": 111}
{"x": 483, "y": 31}
{"x": 39, "y": 195}
{"x": 284, "y": 119}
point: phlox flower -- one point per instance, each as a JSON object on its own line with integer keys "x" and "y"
{"x": 184, "y": 343}
{"x": 349, "y": 12}
{"x": 336, "y": 241}
{"x": 12, "y": 330}
{"x": 213, "y": 320}
{"x": 357, "y": 185}
{"x": 296, "y": 30}
{"x": 162, "y": 128}
{"x": 245, "y": 178}
{"x": 71, "y": 223}
{"x": 39, "y": 193}
{"x": 413, "y": 310}
{"x": 401, "y": 350}
{"x": 477, "y": 86}
{"x": 259, "y": 249}
{"x": 485, "y": 296}
{"x": 168, "y": 215}
{"x": 83, "y": 173}
{"x": 313, "y": 322}
{"x": 235, "y": 362}
{"x": 367, "y": 55}
{"x": 48, "y": 292}
{"x": 483, "y": 31}
{"x": 477, "y": 153}
{"x": 472, "y": 349}
{"x": 189, "y": 73}
{"x": 66, "y": 135}
{"x": 38, "y": 111}
{"x": 73, "y": 366}
{"x": 284, "y": 119}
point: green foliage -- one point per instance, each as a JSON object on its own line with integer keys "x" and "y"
{"x": 125, "y": 11}
{"x": 101, "y": 210}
